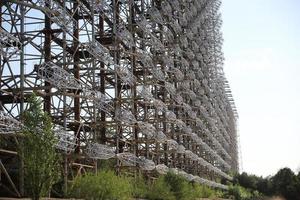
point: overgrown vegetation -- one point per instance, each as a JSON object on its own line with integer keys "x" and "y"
{"x": 284, "y": 183}
{"x": 240, "y": 193}
{"x": 140, "y": 187}
{"x": 245, "y": 187}
{"x": 160, "y": 190}
{"x": 203, "y": 191}
{"x": 107, "y": 185}
{"x": 179, "y": 186}
{"x": 37, "y": 151}
{"x": 103, "y": 185}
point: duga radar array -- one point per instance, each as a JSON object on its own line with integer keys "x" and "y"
{"x": 138, "y": 82}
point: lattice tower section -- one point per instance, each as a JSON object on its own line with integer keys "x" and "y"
{"x": 140, "y": 82}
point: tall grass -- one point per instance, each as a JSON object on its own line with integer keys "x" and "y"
{"x": 140, "y": 187}
{"x": 103, "y": 186}
{"x": 160, "y": 190}
{"x": 175, "y": 187}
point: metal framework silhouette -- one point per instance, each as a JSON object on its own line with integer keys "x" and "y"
{"x": 140, "y": 82}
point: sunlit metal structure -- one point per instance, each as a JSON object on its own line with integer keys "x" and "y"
{"x": 137, "y": 81}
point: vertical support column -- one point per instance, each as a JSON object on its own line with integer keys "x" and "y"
{"x": 1, "y": 61}
{"x": 133, "y": 88}
{"x": 76, "y": 73}
{"x": 102, "y": 138}
{"x": 47, "y": 51}
{"x": 119, "y": 148}
{"x": 22, "y": 79}
{"x": 64, "y": 65}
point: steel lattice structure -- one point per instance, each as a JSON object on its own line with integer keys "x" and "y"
{"x": 139, "y": 81}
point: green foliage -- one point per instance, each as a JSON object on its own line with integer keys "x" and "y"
{"x": 172, "y": 187}
{"x": 106, "y": 164}
{"x": 160, "y": 190}
{"x": 37, "y": 151}
{"x": 264, "y": 186}
{"x": 240, "y": 193}
{"x": 298, "y": 184}
{"x": 285, "y": 183}
{"x": 179, "y": 186}
{"x": 105, "y": 185}
{"x": 202, "y": 191}
{"x": 247, "y": 181}
{"x": 140, "y": 188}
{"x": 184, "y": 190}
{"x": 58, "y": 189}
{"x": 234, "y": 191}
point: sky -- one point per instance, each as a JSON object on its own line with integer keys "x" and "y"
{"x": 262, "y": 64}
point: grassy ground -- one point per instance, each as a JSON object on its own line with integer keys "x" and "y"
{"x": 3, "y": 198}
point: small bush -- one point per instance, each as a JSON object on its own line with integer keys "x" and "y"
{"x": 184, "y": 190}
{"x": 160, "y": 190}
{"x": 105, "y": 185}
{"x": 234, "y": 191}
{"x": 240, "y": 193}
{"x": 140, "y": 188}
{"x": 202, "y": 191}
{"x": 106, "y": 165}
{"x": 179, "y": 186}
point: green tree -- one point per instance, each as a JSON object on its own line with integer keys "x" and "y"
{"x": 247, "y": 181}
{"x": 241, "y": 193}
{"x": 298, "y": 185}
{"x": 264, "y": 186}
{"x": 37, "y": 150}
{"x": 285, "y": 183}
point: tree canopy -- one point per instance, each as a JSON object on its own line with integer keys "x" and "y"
{"x": 284, "y": 183}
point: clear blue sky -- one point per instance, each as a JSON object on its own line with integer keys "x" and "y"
{"x": 262, "y": 52}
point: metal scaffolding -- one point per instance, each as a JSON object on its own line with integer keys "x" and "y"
{"x": 137, "y": 81}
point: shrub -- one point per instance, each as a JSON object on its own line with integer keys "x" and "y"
{"x": 202, "y": 191}
{"x": 179, "y": 186}
{"x": 106, "y": 164}
{"x": 184, "y": 190}
{"x": 160, "y": 190}
{"x": 140, "y": 188}
{"x": 235, "y": 192}
{"x": 105, "y": 185}
{"x": 240, "y": 193}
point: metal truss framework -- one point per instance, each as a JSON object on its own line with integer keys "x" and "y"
{"x": 138, "y": 81}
